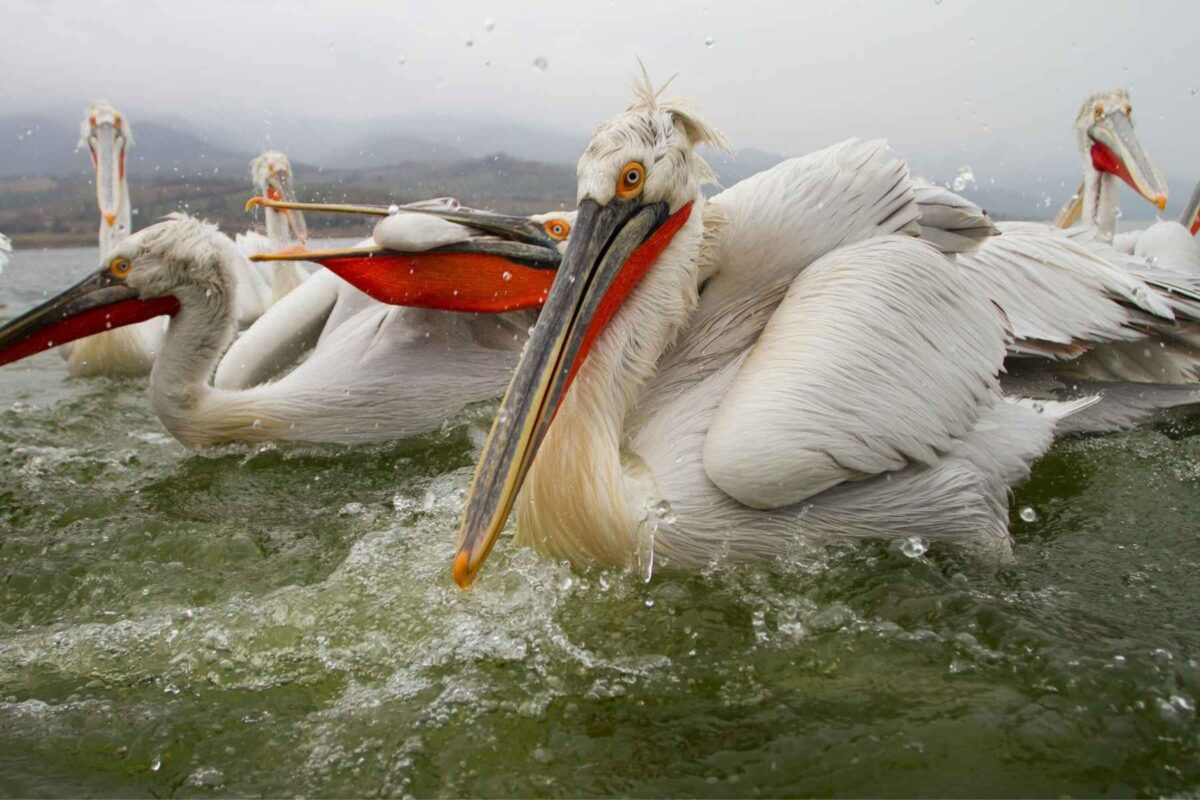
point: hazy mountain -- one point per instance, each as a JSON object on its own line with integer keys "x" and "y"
{"x": 383, "y": 149}
{"x": 433, "y": 146}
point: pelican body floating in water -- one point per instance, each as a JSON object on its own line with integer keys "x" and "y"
{"x": 375, "y": 378}
{"x": 784, "y": 362}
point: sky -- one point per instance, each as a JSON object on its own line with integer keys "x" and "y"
{"x": 995, "y": 83}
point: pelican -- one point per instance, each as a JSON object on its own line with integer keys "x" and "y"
{"x": 376, "y": 377}
{"x": 129, "y": 350}
{"x": 327, "y": 302}
{"x": 783, "y": 363}
{"x": 272, "y": 175}
{"x": 1110, "y": 151}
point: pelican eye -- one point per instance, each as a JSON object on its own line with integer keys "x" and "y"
{"x": 1099, "y": 113}
{"x": 557, "y": 229}
{"x": 633, "y": 175}
{"x": 119, "y": 267}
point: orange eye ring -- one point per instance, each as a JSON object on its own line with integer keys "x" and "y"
{"x": 557, "y": 229}
{"x": 629, "y": 184}
{"x": 119, "y": 267}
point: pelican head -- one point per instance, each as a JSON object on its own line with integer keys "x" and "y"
{"x": 272, "y": 175}
{"x": 148, "y": 274}
{"x": 638, "y": 181}
{"x": 107, "y": 135}
{"x": 1104, "y": 130}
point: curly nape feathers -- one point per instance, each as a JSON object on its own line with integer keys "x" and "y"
{"x": 683, "y": 116}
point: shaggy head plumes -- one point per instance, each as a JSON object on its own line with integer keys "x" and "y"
{"x": 1096, "y": 108}
{"x": 102, "y": 112}
{"x": 651, "y": 132}
{"x": 180, "y": 256}
{"x": 270, "y": 163}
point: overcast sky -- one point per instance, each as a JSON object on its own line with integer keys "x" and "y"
{"x": 997, "y": 81}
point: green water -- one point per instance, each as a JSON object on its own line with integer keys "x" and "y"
{"x": 281, "y": 621}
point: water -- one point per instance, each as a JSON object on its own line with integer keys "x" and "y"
{"x": 281, "y": 621}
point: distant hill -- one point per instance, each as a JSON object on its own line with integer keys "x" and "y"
{"x": 382, "y": 149}
{"x": 202, "y": 167}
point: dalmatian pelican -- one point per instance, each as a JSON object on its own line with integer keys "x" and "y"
{"x": 1110, "y": 151}
{"x": 784, "y": 362}
{"x": 128, "y": 350}
{"x": 271, "y": 173}
{"x": 376, "y": 377}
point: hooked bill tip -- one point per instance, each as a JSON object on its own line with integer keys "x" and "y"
{"x": 254, "y": 201}
{"x": 1161, "y": 202}
{"x": 462, "y": 569}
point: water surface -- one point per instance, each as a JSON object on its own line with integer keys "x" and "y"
{"x": 281, "y": 621}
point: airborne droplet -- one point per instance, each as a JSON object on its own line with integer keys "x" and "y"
{"x": 1028, "y": 514}
{"x": 709, "y": 41}
{"x": 540, "y": 64}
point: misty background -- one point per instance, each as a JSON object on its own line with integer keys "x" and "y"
{"x": 493, "y": 102}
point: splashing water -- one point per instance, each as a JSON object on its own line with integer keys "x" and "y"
{"x": 248, "y": 629}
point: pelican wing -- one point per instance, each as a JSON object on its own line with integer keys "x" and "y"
{"x": 286, "y": 331}
{"x": 879, "y": 356}
{"x": 952, "y": 223}
{"x": 1062, "y": 295}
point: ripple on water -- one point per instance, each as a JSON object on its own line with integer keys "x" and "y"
{"x": 280, "y": 620}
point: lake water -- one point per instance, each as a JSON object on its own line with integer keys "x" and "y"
{"x": 281, "y": 621}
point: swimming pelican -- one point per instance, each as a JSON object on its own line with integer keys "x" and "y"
{"x": 779, "y": 363}
{"x": 327, "y": 302}
{"x": 1110, "y": 150}
{"x": 129, "y": 350}
{"x": 272, "y": 175}
{"x": 375, "y": 378}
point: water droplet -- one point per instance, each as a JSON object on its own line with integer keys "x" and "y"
{"x": 540, "y": 64}
{"x": 913, "y": 547}
{"x": 709, "y": 41}
{"x": 1028, "y": 514}
{"x": 470, "y": 42}
{"x": 489, "y": 24}
{"x": 662, "y": 509}
{"x": 256, "y": 424}
{"x": 506, "y": 275}
{"x": 156, "y": 764}
{"x": 393, "y": 209}
{"x": 402, "y": 60}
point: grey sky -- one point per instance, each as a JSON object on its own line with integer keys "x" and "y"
{"x": 995, "y": 81}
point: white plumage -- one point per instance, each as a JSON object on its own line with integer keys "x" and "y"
{"x": 833, "y": 377}
{"x": 129, "y": 350}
